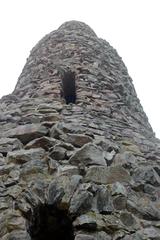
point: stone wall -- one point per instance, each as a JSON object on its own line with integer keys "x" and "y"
{"x": 81, "y": 171}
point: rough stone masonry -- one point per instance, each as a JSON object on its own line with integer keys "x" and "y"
{"x": 78, "y": 157}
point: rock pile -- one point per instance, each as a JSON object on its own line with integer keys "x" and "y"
{"x": 83, "y": 171}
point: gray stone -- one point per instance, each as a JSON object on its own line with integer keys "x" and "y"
{"x": 94, "y": 236}
{"x": 9, "y": 144}
{"x": 2, "y": 160}
{"x": 102, "y": 236}
{"x": 23, "y": 156}
{"x": 68, "y": 170}
{"x": 31, "y": 200}
{"x": 77, "y": 140}
{"x": 146, "y": 175}
{"x": 112, "y": 223}
{"x": 4, "y": 117}
{"x": 33, "y": 168}
{"x": 39, "y": 189}
{"x": 84, "y": 237}
{"x": 46, "y": 108}
{"x": 157, "y": 169}
{"x": 103, "y": 201}
{"x": 110, "y": 149}
{"x": 55, "y": 132}
{"x": 44, "y": 142}
{"x": 127, "y": 219}
{"x": 15, "y": 221}
{"x": 4, "y": 203}
{"x": 58, "y": 153}
{"x": 108, "y": 145}
{"x": 129, "y": 146}
{"x": 152, "y": 191}
{"x": 51, "y": 117}
{"x": 66, "y": 186}
{"x": 89, "y": 154}
{"x": 55, "y": 193}
{"x": 81, "y": 201}
{"x": 109, "y": 156}
{"x": 53, "y": 165}
{"x": 125, "y": 158}
{"x": 15, "y": 191}
{"x": 86, "y": 221}
{"x": 152, "y": 233}
{"x": 17, "y": 235}
{"x": 120, "y": 202}
{"x": 70, "y": 185}
{"x": 5, "y": 169}
{"x": 23, "y": 205}
{"x": 69, "y": 128}
{"x": 143, "y": 207}
{"x": 118, "y": 188}
{"x": 27, "y": 132}
{"x": 90, "y": 221}
{"x": 3, "y": 229}
{"x": 107, "y": 175}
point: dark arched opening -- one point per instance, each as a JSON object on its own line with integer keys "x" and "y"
{"x": 48, "y": 223}
{"x": 69, "y": 87}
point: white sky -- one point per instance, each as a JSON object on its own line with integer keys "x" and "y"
{"x": 130, "y": 26}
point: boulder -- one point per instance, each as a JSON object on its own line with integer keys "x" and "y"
{"x": 89, "y": 154}
{"x": 26, "y": 133}
{"x": 107, "y": 175}
{"x": 9, "y": 144}
{"x": 23, "y": 156}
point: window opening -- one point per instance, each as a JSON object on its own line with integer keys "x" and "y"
{"x": 69, "y": 87}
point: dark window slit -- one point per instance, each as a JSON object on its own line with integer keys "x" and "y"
{"x": 69, "y": 87}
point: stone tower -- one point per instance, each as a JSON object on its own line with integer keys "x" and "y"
{"x": 78, "y": 157}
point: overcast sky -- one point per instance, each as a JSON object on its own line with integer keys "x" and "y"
{"x": 130, "y": 26}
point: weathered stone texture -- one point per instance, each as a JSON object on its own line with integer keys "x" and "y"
{"x": 92, "y": 166}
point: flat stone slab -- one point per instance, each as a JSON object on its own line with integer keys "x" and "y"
{"x": 9, "y": 144}
{"x": 26, "y": 133}
{"x": 89, "y": 154}
{"x": 77, "y": 140}
{"x": 107, "y": 175}
{"x": 23, "y": 156}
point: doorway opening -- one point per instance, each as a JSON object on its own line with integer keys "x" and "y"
{"x": 48, "y": 223}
